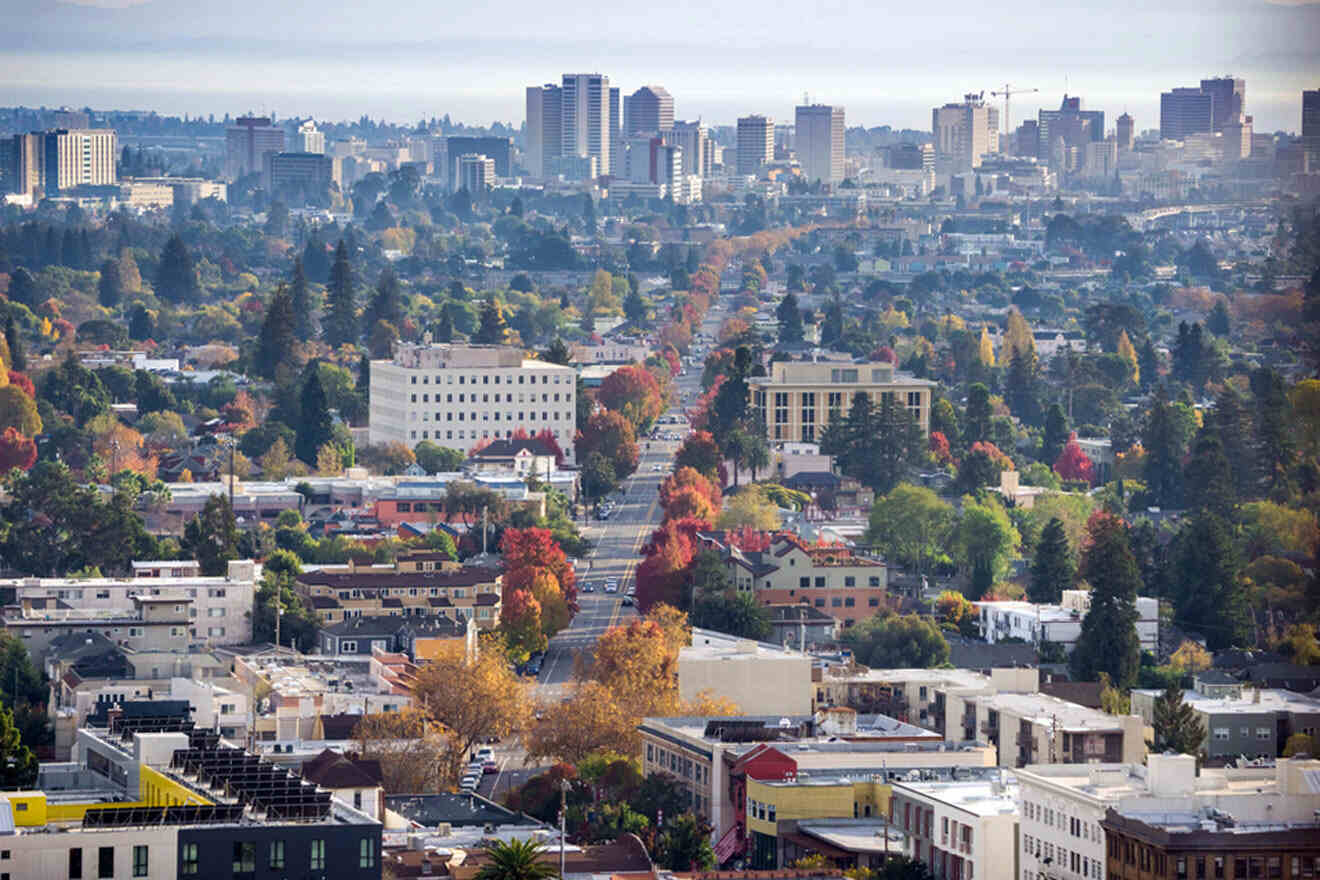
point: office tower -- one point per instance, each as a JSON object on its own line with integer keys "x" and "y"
{"x": 818, "y": 133}
{"x": 1067, "y": 130}
{"x": 651, "y": 160}
{"x": 587, "y": 129}
{"x": 912, "y": 157}
{"x": 474, "y": 173}
{"x": 497, "y": 148}
{"x": 1184, "y": 112}
{"x": 1124, "y": 130}
{"x": 304, "y": 172}
{"x": 648, "y": 110}
{"x": 1027, "y": 139}
{"x": 756, "y": 143}
{"x": 309, "y": 139}
{"x": 962, "y": 133}
{"x": 698, "y": 157}
{"x": 1230, "y": 100}
{"x": 617, "y": 134}
{"x": 1311, "y": 125}
{"x": 247, "y": 141}
{"x": 545, "y": 140}
{"x": 83, "y": 157}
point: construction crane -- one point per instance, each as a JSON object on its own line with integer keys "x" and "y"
{"x": 1007, "y": 94}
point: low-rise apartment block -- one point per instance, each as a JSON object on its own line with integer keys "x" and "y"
{"x": 799, "y": 398}
{"x": 1037, "y": 623}
{"x": 760, "y": 678}
{"x": 458, "y": 395}
{"x": 960, "y": 829}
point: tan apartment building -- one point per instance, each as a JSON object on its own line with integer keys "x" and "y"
{"x": 421, "y": 583}
{"x": 799, "y": 398}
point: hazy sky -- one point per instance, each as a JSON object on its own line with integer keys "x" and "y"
{"x": 406, "y": 59}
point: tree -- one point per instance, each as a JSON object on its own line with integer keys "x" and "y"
{"x": 737, "y": 614}
{"x": 340, "y": 326}
{"x": 789, "y": 315}
{"x": 557, "y": 352}
{"x": 16, "y": 451}
{"x": 409, "y": 747}
{"x": 1073, "y": 463}
{"x": 1190, "y": 658}
{"x": 17, "y": 359}
{"x": 492, "y": 329}
{"x": 598, "y": 478}
{"x": 386, "y": 303}
{"x": 212, "y": 536}
{"x": 1164, "y": 444}
{"x": 874, "y": 444}
{"x": 750, "y": 508}
{"x": 1275, "y": 432}
{"x": 981, "y": 467}
{"x": 888, "y": 641}
{"x": 521, "y": 626}
{"x": 1177, "y": 726}
{"x": 1053, "y": 570}
{"x": 700, "y": 452}
{"x": 985, "y": 540}
{"x": 18, "y": 765}
{"x": 110, "y": 286}
{"x": 1056, "y": 434}
{"x": 634, "y": 308}
{"x": 1108, "y": 641}
{"x": 977, "y": 422}
{"x": 471, "y": 698}
{"x": 1208, "y": 476}
{"x": 304, "y": 322}
{"x": 516, "y": 860}
{"x": 176, "y": 277}
{"x": 911, "y": 525}
{"x": 1128, "y": 353}
{"x": 278, "y": 336}
{"x": 684, "y": 843}
{"x": 633, "y": 391}
{"x": 612, "y": 435}
{"x": 315, "y": 426}
{"x": 1206, "y": 582}
{"x": 18, "y": 411}
{"x": 434, "y": 458}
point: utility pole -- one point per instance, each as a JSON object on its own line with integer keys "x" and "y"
{"x": 232, "y": 444}
{"x": 563, "y": 822}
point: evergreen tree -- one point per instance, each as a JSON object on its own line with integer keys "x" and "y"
{"x": 141, "y": 326}
{"x": 1208, "y": 477}
{"x": 1108, "y": 641}
{"x": 18, "y": 765}
{"x": 277, "y": 338}
{"x": 23, "y": 288}
{"x": 874, "y": 444}
{"x": 315, "y": 426}
{"x": 1190, "y": 355}
{"x": 831, "y": 329}
{"x": 1021, "y": 387}
{"x": 589, "y": 213}
{"x": 492, "y": 330}
{"x": 634, "y": 307}
{"x": 1177, "y": 726}
{"x": 1218, "y": 322}
{"x": 976, "y": 423}
{"x": 444, "y": 328}
{"x": 1053, "y": 569}
{"x": 557, "y": 352}
{"x": 304, "y": 322}
{"x": 1163, "y": 443}
{"x": 17, "y": 357}
{"x": 110, "y": 289}
{"x": 212, "y": 536}
{"x": 315, "y": 261}
{"x": 1231, "y": 421}
{"x": 176, "y": 277}
{"x": 363, "y": 385}
{"x": 1209, "y": 596}
{"x": 1055, "y": 436}
{"x": 1275, "y": 443}
{"x": 387, "y": 303}
{"x": 1148, "y": 364}
{"x": 789, "y": 315}
{"x": 340, "y": 326}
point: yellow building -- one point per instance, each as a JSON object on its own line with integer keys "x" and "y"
{"x": 799, "y": 398}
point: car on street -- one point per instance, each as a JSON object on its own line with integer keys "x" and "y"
{"x": 611, "y": 586}
{"x": 627, "y": 601}
{"x": 490, "y": 767}
{"x": 588, "y": 587}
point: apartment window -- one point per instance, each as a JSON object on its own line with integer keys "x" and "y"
{"x": 139, "y": 861}
{"x": 808, "y": 417}
{"x": 873, "y": 602}
{"x": 804, "y": 583}
{"x": 820, "y": 582}
{"x": 1200, "y": 868}
{"x": 781, "y": 414}
{"x": 849, "y": 581}
{"x": 820, "y": 603}
{"x": 1239, "y": 868}
{"x": 318, "y": 855}
{"x": 849, "y": 602}
{"x": 1262, "y": 733}
{"x": 843, "y": 375}
{"x": 245, "y": 857}
{"x": 190, "y": 861}
{"x": 1274, "y": 867}
{"x": 277, "y": 854}
{"x": 1221, "y": 733}
{"x": 367, "y": 853}
{"x": 75, "y": 864}
{"x": 105, "y": 862}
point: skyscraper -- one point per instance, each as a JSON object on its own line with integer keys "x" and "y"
{"x": 963, "y": 133}
{"x": 62, "y": 159}
{"x": 544, "y": 141}
{"x": 1311, "y": 124}
{"x": 247, "y": 142}
{"x": 309, "y": 139}
{"x": 1124, "y": 130}
{"x": 587, "y": 129}
{"x": 693, "y": 137}
{"x": 648, "y": 110}
{"x": 756, "y": 143}
{"x": 1230, "y": 96}
{"x": 1184, "y": 112}
{"x": 819, "y": 140}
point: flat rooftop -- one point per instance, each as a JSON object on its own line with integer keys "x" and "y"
{"x": 787, "y": 732}
{"x": 1270, "y": 700}
{"x": 1112, "y": 782}
{"x": 978, "y": 797}
{"x": 1044, "y": 709}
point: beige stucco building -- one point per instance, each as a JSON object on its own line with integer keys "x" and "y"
{"x": 799, "y": 398}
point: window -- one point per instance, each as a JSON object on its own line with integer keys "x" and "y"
{"x": 105, "y": 862}
{"x": 139, "y": 861}
{"x": 1262, "y": 733}
{"x": 245, "y": 857}
{"x": 804, "y": 582}
{"x": 277, "y": 854}
{"x": 318, "y": 855}
{"x": 190, "y": 862}
{"x": 781, "y": 414}
{"x": 1221, "y": 733}
{"x": 820, "y": 581}
{"x": 75, "y": 864}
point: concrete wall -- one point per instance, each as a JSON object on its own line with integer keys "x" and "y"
{"x": 761, "y": 683}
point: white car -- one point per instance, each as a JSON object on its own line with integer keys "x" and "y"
{"x": 611, "y": 586}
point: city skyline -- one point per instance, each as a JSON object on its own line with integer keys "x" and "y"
{"x": 81, "y": 55}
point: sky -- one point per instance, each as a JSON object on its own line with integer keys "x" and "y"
{"x": 887, "y": 63}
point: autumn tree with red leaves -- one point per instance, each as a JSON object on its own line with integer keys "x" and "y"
{"x": 1073, "y": 463}
{"x": 535, "y": 563}
{"x": 633, "y": 391}
{"x": 701, "y": 453}
{"x": 612, "y": 435}
{"x": 16, "y": 451}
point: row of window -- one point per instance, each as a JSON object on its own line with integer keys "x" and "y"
{"x": 384, "y": 592}
{"x": 485, "y": 435}
{"x": 961, "y": 835}
{"x": 211, "y": 592}
{"x": 485, "y": 398}
{"x": 848, "y": 581}
{"x": 1046, "y": 852}
{"x": 245, "y": 856}
{"x": 485, "y": 380}
{"x": 758, "y": 810}
{"x": 1225, "y": 733}
{"x": 1058, "y": 819}
{"x": 105, "y": 862}
{"x": 678, "y": 764}
{"x": 546, "y": 416}
{"x": 1244, "y": 867}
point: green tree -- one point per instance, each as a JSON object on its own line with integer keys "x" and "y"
{"x": 728, "y": 611}
{"x": 17, "y": 359}
{"x": 212, "y": 536}
{"x": 315, "y": 426}
{"x": 1055, "y": 436}
{"x": 684, "y": 843}
{"x": 911, "y": 525}
{"x": 1275, "y": 429}
{"x": 18, "y": 765}
{"x": 176, "y": 277}
{"x": 1208, "y": 476}
{"x": 1165, "y": 445}
{"x": 557, "y": 352}
{"x": 598, "y": 476}
{"x": 897, "y": 642}
{"x": 1053, "y": 570}
{"x": 984, "y": 541}
{"x": 634, "y": 308}
{"x": 277, "y": 337}
{"x": 874, "y": 444}
{"x": 110, "y": 286}
{"x": 492, "y": 330}
{"x": 23, "y": 688}
{"x": 1206, "y": 582}
{"x": 434, "y": 458}
{"x": 1108, "y": 642}
{"x": 1176, "y": 724}
{"x": 304, "y": 321}
{"x": 386, "y": 303}
{"x": 340, "y": 326}
{"x": 976, "y": 423}
{"x": 517, "y": 860}
{"x": 789, "y": 315}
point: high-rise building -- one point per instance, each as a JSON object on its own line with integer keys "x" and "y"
{"x": 649, "y": 110}
{"x": 1311, "y": 123}
{"x": 912, "y": 157}
{"x": 497, "y": 148}
{"x": 54, "y": 161}
{"x": 963, "y": 133}
{"x": 544, "y": 142}
{"x": 247, "y": 141}
{"x": 1184, "y": 112}
{"x": 819, "y": 138}
{"x": 694, "y": 138}
{"x": 756, "y": 143}
{"x": 652, "y": 160}
{"x": 309, "y": 139}
{"x": 617, "y": 133}
{"x": 304, "y": 172}
{"x": 587, "y": 129}
{"x": 1125, "y": 130}
{"x": 474, "y": 173}
{"x": 1230, "y": 96}
{"x": 1066, "y": 132}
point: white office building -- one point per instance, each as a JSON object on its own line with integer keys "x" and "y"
{"x": 1036, "y": 623}
{"x": 457, "y": 395}
{"x": 819, "y": 139}
{"x": 474, "y": 173}
{"x": 961, "y": 830}
{"x": 309, "y": 139}
{"x": 585, "y": 118}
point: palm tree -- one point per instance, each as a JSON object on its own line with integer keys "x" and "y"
{"x": 516, "y": 860}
